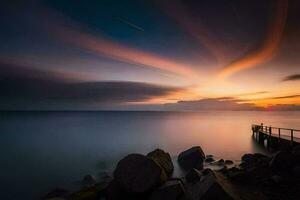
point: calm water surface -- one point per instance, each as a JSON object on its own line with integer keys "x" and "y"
{"x": 43, "y": 150}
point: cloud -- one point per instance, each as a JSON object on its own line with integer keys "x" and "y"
{"x": 114, "y": 50}
{"x": 284, "y": 107}
{"x": 28, "y": 88}
{"x": 269, "y": 46}
{"x": 182, "y": 15}
{"x": 224, "y": 103}
{"x": 294, "y": 77}
{"x": 253, "y": 93}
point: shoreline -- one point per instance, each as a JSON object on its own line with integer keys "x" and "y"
{"x": 150, "y": 176}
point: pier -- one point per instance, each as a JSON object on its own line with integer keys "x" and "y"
{"x": 275, "y": 137}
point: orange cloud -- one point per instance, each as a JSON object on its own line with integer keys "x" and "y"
{"x": 269, "y": 47}
{"x": 123, "y": 53}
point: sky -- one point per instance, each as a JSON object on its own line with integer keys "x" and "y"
{"x": 150, "y": 55}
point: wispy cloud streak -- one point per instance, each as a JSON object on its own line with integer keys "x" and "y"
{"x": 269, "y": 46}
{"x": 178, "y": 11}
{"x": 117, "y": 51}
{"x": 294, "y": 77}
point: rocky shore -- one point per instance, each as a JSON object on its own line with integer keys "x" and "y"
{"x": 149, "y": 177}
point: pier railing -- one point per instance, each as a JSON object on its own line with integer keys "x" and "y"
{"x": 282, "y": 133}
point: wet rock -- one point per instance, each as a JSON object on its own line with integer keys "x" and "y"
{"x": 219, "y": 162}
{"x": 276, "y": 179}
{"x": 88, "y": 180}
{"x": 193, "y": 176}
{"x": 207, "y": 171}
{"x": 209, "y": 160}
{"x": 89, "y": 193}
{"x": 228, "y": 162}
{"x": 207, "y": 189}
{"x": 191, "y": 158}
{"x": 224, "y": 169}
{"x": 171, "y": 190}
{"x": 115, "y": 192}
{"x": 282, "y": 162}
{"x": 254, "y": 160}
{"x": 57, "y": 192}
{"x": 137, "y": 173}
{"x": 163, "y": 159}
{"x": 296, "y": 172}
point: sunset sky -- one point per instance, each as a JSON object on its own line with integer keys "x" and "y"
{"x": 150, "y": 55}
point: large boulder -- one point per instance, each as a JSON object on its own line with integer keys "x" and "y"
{"x": 193, "y": 176}
{"x": 171, "y": 190}
{"x": 163, "y": 159}
{"x": 191, "y": 158}
{"x": 250, "y": 161}
{"x": 207, "y": 189}
{"x": 137, "y": 173}
{"x": 282, "y": 162}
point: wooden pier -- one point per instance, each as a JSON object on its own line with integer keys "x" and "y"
{"x": 275, "y": 137}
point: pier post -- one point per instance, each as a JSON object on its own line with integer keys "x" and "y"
{"x": 279, "y": 135}
{"x": 292, "y": 137}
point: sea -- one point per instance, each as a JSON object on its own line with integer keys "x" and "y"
{"x": 43, "y": 150}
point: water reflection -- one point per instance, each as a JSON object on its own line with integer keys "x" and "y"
{"x": 41, "y": 150}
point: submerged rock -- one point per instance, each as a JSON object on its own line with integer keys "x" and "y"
{"x": 89, "y": 193}
{"x": 163, "y": 159}
{"x": 171, "y": 190}
{"x": 57, "y": 192}
{"x": 88, "y": 180}
{"x": 137, "y": 173}
{"x": 191, "y": 158}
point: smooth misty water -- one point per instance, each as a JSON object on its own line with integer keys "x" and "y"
{"x": 43, "y": 150}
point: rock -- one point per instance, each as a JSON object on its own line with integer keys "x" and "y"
{"x": 89, "y": 193}
{"x": 296, "y": 153}
{"x": 219, "y": 162}
{"x": 171, "y": 190}
{"x": 163, "y": 159}
{"x": 191, "y": 158}
{"x": 88, "y": 180}
{"x": 207, "y": 189}
{"x": 254, "y": 160}
{"x": 57, "y": 192}
{"x": 282, "y": 162}
{"x": 228, "y": 162}
{"x": 193, "y": 176}
{"x": 276, "y": 179}
{"x": 114, "y": 191}
{"x": 137, "y": 173}
{"x": 223, "y": 169}
{"x": 296, "y": 172}
{"x": 209, "y": 160}
{"x": 253, "y": 157}
{"x": 207, "y": 171}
